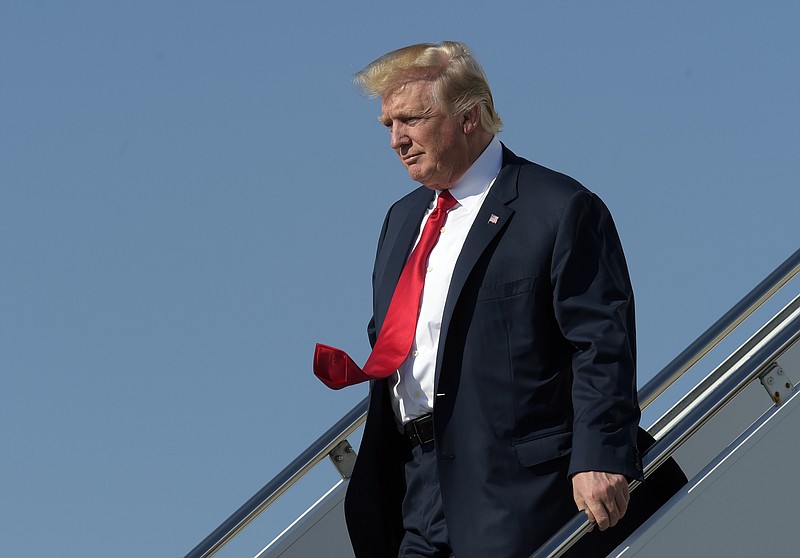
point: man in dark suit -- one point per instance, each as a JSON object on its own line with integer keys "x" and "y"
{"x": 516, "y": 405}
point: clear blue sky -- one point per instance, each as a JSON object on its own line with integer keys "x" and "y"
{"x": 190, "y": 194}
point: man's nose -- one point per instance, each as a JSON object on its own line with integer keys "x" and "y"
{"x": 399, "y": 137}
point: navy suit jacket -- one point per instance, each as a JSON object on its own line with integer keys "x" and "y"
{"x": 535, "y": 374}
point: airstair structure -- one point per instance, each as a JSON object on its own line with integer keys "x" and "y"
{"x": 736, "y": 435}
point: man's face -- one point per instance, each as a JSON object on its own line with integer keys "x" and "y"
{"x": 432, "y": 145}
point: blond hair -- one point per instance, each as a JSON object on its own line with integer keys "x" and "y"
{"x": 458, "y": 79}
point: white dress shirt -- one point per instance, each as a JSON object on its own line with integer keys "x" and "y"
{"x": 412, "y": 385}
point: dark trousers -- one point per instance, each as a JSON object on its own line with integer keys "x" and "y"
{"x": 423, "y": 515}
{"x": 426, "y": 533}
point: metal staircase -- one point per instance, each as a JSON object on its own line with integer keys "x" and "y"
{"x": 735, "y": 434}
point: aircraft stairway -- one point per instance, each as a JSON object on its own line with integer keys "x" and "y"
{"x": 735, "y": 433}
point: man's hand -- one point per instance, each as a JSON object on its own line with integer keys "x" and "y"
{"x": 604, "y": 496}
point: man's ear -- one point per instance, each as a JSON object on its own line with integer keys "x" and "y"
{"x": 472, "y": 119}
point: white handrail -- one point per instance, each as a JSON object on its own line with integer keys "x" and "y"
{"x": 352, "y": 420}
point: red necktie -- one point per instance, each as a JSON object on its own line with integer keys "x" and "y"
{"x": 336, "y": 369}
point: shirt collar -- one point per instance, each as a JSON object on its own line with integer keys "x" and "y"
{"x": 470, "y": 188}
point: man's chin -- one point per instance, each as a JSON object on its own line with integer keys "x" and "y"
{"x": 415, "y": 175}
{"x": 425, "y": 181}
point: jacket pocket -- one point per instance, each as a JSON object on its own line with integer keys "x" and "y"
{"x": 539, "y": 450}
{"x": 505, "y": 290}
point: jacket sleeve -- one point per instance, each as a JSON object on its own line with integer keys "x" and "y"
{"x": 593, "y": 304}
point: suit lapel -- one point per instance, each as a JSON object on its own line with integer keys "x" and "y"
{"x": 399, "y": 247}
{"x": 493, "y": 217}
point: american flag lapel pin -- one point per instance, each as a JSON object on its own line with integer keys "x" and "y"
{"x": 493, "y": 219}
